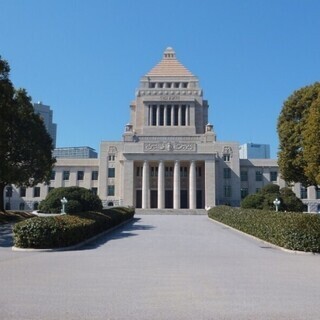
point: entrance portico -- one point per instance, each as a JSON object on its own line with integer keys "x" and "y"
{"x": 170, "y": 183}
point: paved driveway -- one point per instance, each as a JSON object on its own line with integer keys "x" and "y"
{"x": 161, "y": 267}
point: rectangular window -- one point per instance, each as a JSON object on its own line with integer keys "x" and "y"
{"x": 317, "y": 193}
{"x": 244, "y": 175}
{"x": 273, "y": 176}
{"x": 53, "y": 175}
{"x": 184, "y": 84}
{"x": 138, "y": 171}
{"x": 36, "y": 191}
{"x": 303, "y": 193}
{"x": 227, "y": 173}
{"x": 22, "y": 191}
{"x": 154, "y": 115}
{"x": 111, "y": 157}
{"x": 111, "y": 190}
{"x": 80, "y": 175}
{"x": 111, "y": 172}
{"x": 226, "y": 157}
{"x": 66, "y": 175}
{"x": 183, "y": 171}
{"x": 161, "y": 123}
{"x": 152, "y": 84}
{"x": 94, "y": 175}
{"x": 9, "y": 192}
{"x": 183, "y": 115}
{"x": 227, "y": 191}
{"x": 176, "y": 84}
{"x": 94, "y": 191}
{"x": 244, "y": 192}
{"x": 198, "y": 171}
{"x": 259, "y": 176}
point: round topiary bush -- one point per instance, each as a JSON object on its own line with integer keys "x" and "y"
{"x": 79, "y": 200}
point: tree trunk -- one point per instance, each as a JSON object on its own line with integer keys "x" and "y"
{"x": 2, "y": 187}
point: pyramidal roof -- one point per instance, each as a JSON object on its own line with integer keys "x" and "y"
{"x": 169, "y": 66}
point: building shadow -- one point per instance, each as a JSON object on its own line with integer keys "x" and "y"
{"x": 125, "y": 231}
{"x": 6, "y": 237}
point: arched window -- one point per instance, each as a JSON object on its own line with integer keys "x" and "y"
{"x": 110, "y": 204}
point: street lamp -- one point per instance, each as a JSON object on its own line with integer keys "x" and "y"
{"x": 64, "y": 201}
{"x": 277, "y": 203}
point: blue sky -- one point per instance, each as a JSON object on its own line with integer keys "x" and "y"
{"x": 85, "y": 58}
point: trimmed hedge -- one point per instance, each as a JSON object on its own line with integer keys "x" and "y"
{"x": 66, "y": 230}
{"x": 291, "y": 230}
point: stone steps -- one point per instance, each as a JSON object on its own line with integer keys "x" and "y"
{"x": 172, "y": 211}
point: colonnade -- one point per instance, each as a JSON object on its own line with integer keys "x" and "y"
{"x": 161, "y": 185}
{"x": 169, "y": 115}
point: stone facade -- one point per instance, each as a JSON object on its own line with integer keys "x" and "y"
{"x": 169, "y": 156}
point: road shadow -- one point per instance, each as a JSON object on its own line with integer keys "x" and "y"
{"x": 127, "y": 230}
{"x": 6, "y": 238}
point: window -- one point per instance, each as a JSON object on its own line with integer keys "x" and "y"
{"x": 22, "y": 191}
{"x": 244, "y": 192}
{"x": 175, "y": 115}
{"x": 227, "y": 191}
{"x": 169, "y": 171}
{"x": 111, "y": 157}
{"x": 152, "y": 84}
{"x": 257, "y": 190}
{"x": 258, "y": 175}
{"x": 21, "y": 206}
{"x": 160, "y": 85}
{"x": 244, "y": 175}
{"x": 317, "y": 193}
{"x": 111, "y": 190}
{"x": 168, "y": 115}
{"x": 303, "y": 193}
{"x": 227, "y": 173}
{"x": 273, "y": 176}
{"x": 111, "y": 172}
{"x": 66, "y": 175}
{"x": 9, "y": 192}
{"x": 168, "y": 84}
{"x": 94, "y": 191}
{"x": 154, "y": 171}
{"x": 226, "y": 157}
{"x": 183, "y": 171}
{"x": 184, "y": 84}
{"x": 176, "y": 84}
{"x": 36, "y": 191}
{"x": 94, "y": 175}
{"x": 198, "y": 171}
{"x": 80, "y": 175}
{"x": 53, "y": 175}
{"x": 154, "y": 115}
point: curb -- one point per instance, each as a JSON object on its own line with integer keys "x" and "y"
{"x": 266, "y": 242}
{"x": 75, "y": 246}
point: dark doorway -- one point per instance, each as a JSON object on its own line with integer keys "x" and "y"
{"x": 184, "y": 199}
{"x": 169, "y": 199}
{"x": 153, "y": 199}
{"x": 199, "y": 199}
{"x": 138, "y": 198}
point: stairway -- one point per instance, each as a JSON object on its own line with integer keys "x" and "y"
{"x": 172, "y": 211}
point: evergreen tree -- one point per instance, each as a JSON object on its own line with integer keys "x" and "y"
{"x": 25, "y": 145}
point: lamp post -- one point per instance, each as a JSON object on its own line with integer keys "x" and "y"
{"x": 277, "y": 203}
{"x": 64, "y": 201}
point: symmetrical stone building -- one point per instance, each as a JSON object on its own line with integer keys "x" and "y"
{"x": 169, "y": 156}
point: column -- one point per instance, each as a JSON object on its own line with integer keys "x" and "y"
{"x": 165, "y": 115}
{"x": 179, "y": 115}
{"x": 161, "y": 188}
{"x": 210, "y": 187}
{"x": 187, "y": 115}
{"x": 192, "y": 185}
{"x": 158, "y": 115}
{"x": 149, "y": 115}
{"x": 176, "y": 185}
{"x": 172, "y": 115}
{"x": 145, "y": 185}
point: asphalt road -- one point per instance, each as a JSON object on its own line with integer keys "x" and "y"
{"x": 160, "y": 267}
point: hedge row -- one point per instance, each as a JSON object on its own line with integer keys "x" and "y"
{"x": 66, "y": 230}
{"x": 294, "y": 231}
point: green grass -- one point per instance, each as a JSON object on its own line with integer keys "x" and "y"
{"x": 294, "y": 231}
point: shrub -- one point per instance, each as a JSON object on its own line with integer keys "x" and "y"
{"x": 66, "y": 230}
{"x": 79, "y": 199}
{"x": 291, "y": 230}
{"x": 265, "y": 197}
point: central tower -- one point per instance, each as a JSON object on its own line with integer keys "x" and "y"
{"x": 169, "y": 101}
